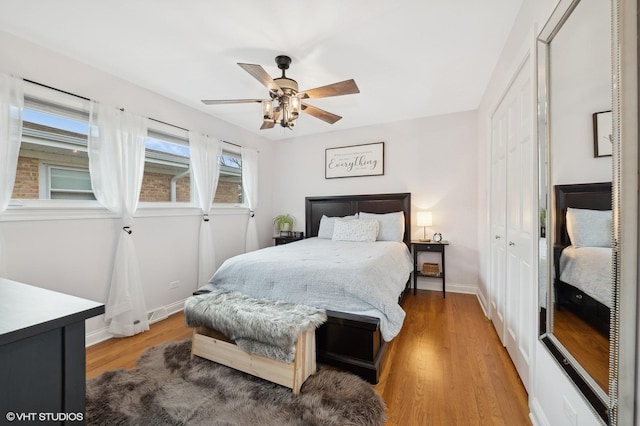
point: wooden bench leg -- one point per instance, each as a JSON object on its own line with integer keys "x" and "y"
{"x": 195, "y": 331}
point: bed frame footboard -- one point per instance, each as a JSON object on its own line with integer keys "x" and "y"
{"x": 351, "y": 342}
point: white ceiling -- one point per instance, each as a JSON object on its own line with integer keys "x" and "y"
{"x": 410, "y": 58}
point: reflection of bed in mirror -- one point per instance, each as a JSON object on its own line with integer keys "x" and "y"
{"x": 582, "y": 252}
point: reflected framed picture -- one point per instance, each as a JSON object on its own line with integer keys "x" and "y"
{"x": 602, "y": 134}
{"x": 353, "y": 161}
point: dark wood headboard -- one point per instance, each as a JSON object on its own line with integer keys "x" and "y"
{"x": 345, "y": 205}
{"x": 593, "y": 196}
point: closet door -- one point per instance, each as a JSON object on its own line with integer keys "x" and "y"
{"x": 512, "y": 184}
{"x": 520, "y": 185}
{"x": 498, "y": 219}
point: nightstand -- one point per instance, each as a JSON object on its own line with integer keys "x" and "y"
{"x": 431, "y": 246}
{"x": 286, "y": 240}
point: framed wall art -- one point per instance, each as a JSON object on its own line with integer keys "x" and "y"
{"x": 602, "y": 129}
{"x": 354, "y": 161}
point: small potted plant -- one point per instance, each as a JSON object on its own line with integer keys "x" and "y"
{"x": 543, "y": 222}
{"x": 284, "y": 223}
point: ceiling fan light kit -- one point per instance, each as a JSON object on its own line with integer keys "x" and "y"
{"x": 285, "y": 101}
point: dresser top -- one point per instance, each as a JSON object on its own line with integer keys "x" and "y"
{"x": 26, "y": 310}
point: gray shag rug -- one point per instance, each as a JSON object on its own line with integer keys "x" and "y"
{"x": 167, "y": 388}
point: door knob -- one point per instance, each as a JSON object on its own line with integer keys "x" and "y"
{"x": 511, "y": 243}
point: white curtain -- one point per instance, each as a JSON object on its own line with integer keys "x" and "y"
{"x": 116, "y": 165}
{"x": 11, "y": 104}
{"x": 205, "y": 169}
{"x": 250, "y": 186}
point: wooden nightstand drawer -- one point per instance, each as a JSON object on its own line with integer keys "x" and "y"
{"x": 286, "y": 240}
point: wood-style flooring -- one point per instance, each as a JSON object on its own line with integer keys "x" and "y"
{"x": 588, "y": 346}
{"x": 446, "y": 367}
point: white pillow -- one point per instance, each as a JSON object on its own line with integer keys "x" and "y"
{"x": 326, "y": 225}
{"x": 589, "y": 228}
{"x": 391, "y": 225}
{"x": 355, "y": 230}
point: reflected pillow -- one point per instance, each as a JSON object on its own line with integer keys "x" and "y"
{"x": 391, "y": 225}
{"x": 362, "y": 230}
{"x": 326, "y": 225}
{"x": 589, "y": 228}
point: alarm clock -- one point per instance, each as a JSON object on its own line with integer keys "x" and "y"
{"x": 437, "y": 237}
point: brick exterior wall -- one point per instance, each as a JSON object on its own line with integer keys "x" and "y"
{"x": 228, "y": 192}
{"x": 27, "y": 186}
{"x": 156, "y": 187}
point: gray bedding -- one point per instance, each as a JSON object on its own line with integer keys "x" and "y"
{"x": 352, "y": 277}
{"x": 589, "y": 269}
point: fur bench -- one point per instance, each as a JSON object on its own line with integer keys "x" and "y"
{"x": 271, "y": 340}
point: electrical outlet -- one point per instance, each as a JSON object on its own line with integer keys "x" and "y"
{"x": 569, "y": 412}
{"x": 174, "y": 284}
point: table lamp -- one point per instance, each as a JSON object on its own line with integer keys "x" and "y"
{"x": 425, "y": 219}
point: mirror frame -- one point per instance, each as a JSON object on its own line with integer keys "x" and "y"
{"x": 604, "y": 405}
{"x": 626, "y": 156}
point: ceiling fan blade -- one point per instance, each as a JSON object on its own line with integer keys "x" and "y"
{"x": 347, "y": 87}
{"x": 320, "y": 113}
{"x": 267, "y": 124}
{"x": 261, "y": 75}
{"x": 229, "y": 101}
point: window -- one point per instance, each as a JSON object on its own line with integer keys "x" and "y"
{"x": 65, "y": 183}
{"x": 167, "y": 175}
{"x": 53, "y": 163}
{"x": 229, "y": 189}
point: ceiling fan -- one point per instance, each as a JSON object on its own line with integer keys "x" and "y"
{"x": 285, "y": 101}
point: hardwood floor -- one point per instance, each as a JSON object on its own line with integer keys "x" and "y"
{"x": 446, "y": 367}
{"x": 589, "y": 347}
{"x": 123, "y": 353}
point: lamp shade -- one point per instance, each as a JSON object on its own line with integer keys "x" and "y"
{"x": 425, "y": 219}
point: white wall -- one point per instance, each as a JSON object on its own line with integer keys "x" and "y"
{"x": 434, "y": 158}
{"x": 550, "y": 387}
{"x": 75, "y": 256}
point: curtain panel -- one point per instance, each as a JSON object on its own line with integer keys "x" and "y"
{"x": 205, "y": 169}
{"x": 116, "y": 149}
{"x": 11, "y": 105}
{"x": 250, "y": 187}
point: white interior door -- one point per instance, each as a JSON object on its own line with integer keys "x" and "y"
{"x": 520, "y": 191}
{"x": 512, "y": 224}
{"x": 498, "y": 219}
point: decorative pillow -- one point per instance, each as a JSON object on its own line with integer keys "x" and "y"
{"x": 589, "y": 228}
{"x": 326, "y": 225}
{"x": 391, "y": 225}
{"x": 363, "y": 230}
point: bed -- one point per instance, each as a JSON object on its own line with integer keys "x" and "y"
{"x": 582, "y": 260}
{"x": 360, "y": 322}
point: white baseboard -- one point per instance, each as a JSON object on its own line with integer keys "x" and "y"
{"x": 436, "y": 285}
{"x": 97, "y": 336}
{"x": 483, "y": 303}
{"x": 536, "y": 415}
{"x": 155, "y": 315}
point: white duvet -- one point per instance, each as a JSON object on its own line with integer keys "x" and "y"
{"x": 589, "y": 269}
{"x": 352, "y": 277}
